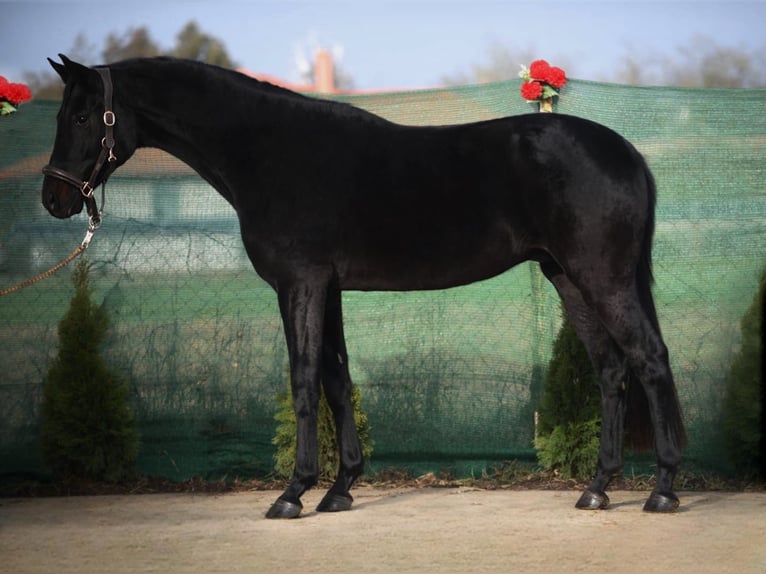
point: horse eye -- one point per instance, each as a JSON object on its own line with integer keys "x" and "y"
{"x": 81, "y": 119}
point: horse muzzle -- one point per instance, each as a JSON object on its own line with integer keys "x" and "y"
{"x": 61, "y": 198}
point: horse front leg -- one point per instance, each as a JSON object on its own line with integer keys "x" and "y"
{"x": 302, "y": 307}
{"x": 336, "y": 382}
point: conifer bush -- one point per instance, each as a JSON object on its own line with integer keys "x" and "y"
{"x": 569, "y": 418}
{"x": 571, "y": 448}
{"x": 742, "y": 408}
{"x": 285, "y": 438}
{"x": 88, "y": 430}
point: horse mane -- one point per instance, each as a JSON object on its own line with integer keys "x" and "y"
{"x": 238, "y": 80}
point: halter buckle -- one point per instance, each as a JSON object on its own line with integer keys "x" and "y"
{"x": 86, "y": 189}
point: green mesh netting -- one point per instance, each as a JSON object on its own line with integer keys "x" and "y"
{"x": 450, "y": 378}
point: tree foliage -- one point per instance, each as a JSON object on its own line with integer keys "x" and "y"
{"x": 191, "y": 43}
{"x": 88, "y": 429}
{"x": 47, "y": 85}
{"x": 700, "y": 64}
{"x": 503, "y": 64}
{"x": 135, "y": 43}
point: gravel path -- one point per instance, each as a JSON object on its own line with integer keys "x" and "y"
{"x": 389, "y": 530}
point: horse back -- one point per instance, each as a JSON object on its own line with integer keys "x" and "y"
{"x": 400, "y": 207}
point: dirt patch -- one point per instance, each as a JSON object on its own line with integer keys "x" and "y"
{"x": 389, "y": 530}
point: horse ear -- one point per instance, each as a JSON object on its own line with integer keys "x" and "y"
{"x": 68, "y": 69}
{"x": 60, "y": 69}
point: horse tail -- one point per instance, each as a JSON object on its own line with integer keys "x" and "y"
{"x": 644, "y": 276}
{"x": 640, "y": 435}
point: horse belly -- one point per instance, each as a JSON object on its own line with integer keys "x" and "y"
{"x": 424, "y": 265}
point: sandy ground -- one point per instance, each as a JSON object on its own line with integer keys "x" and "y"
{"x": 400, "y": 530}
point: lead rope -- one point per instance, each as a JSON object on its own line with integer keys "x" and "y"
{"x": 92, "y": 227}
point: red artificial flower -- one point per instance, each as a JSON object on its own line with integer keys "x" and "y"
{"x": 556, "y": 77}
{"x": 531, "y": 90}
{"x": 20, "y": 93}
{"x": 14, "y": 93}
{"x": 539, "y": 70}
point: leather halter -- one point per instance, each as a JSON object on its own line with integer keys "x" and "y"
{"x": 106, "y": 156}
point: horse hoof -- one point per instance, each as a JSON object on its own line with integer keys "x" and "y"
{"x": 284, "y": 509}
{"x": 335, "y": 503}
{"x": 592, "y": 501}
{"x": 659, "y": 502}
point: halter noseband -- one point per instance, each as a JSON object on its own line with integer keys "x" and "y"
{"x": 107, "y": 155}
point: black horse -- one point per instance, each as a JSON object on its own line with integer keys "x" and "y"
{"x": 330, "y": 197}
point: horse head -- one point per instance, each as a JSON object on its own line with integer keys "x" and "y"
{"x": 90, "y": 142}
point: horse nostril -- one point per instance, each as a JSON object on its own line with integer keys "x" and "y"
{"x": 49, "y": 200}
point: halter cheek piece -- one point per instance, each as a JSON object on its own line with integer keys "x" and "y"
{"x": 106, "y": 156}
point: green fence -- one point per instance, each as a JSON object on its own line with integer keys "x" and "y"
{"x": 450, "y": 379}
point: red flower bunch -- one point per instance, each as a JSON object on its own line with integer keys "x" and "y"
{"x": 531, "y": 91}
{"x": 541, "y": 81}
{"x": 11, "y": 95}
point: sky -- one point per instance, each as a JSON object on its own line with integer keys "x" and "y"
{"x": 390, "y": 44}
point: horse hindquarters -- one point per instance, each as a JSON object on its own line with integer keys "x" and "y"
{"x": 602, "y": 270}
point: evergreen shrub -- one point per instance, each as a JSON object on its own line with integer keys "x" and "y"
{"x": 569, "y": 417}
{"x": 742, "y": 408}
{"x": 285, "y": 438}
{"x": 571, "y": 448}
{"x": 88, "y": 430}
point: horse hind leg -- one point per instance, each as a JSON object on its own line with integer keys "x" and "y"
{"x": 336, "y": 382}
{"x": 648, "y": 359}
{"x": 633, "y": 327}
{"x": 611, "y": 368}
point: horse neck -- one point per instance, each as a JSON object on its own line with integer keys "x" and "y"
{"x": 184, "y": 108}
